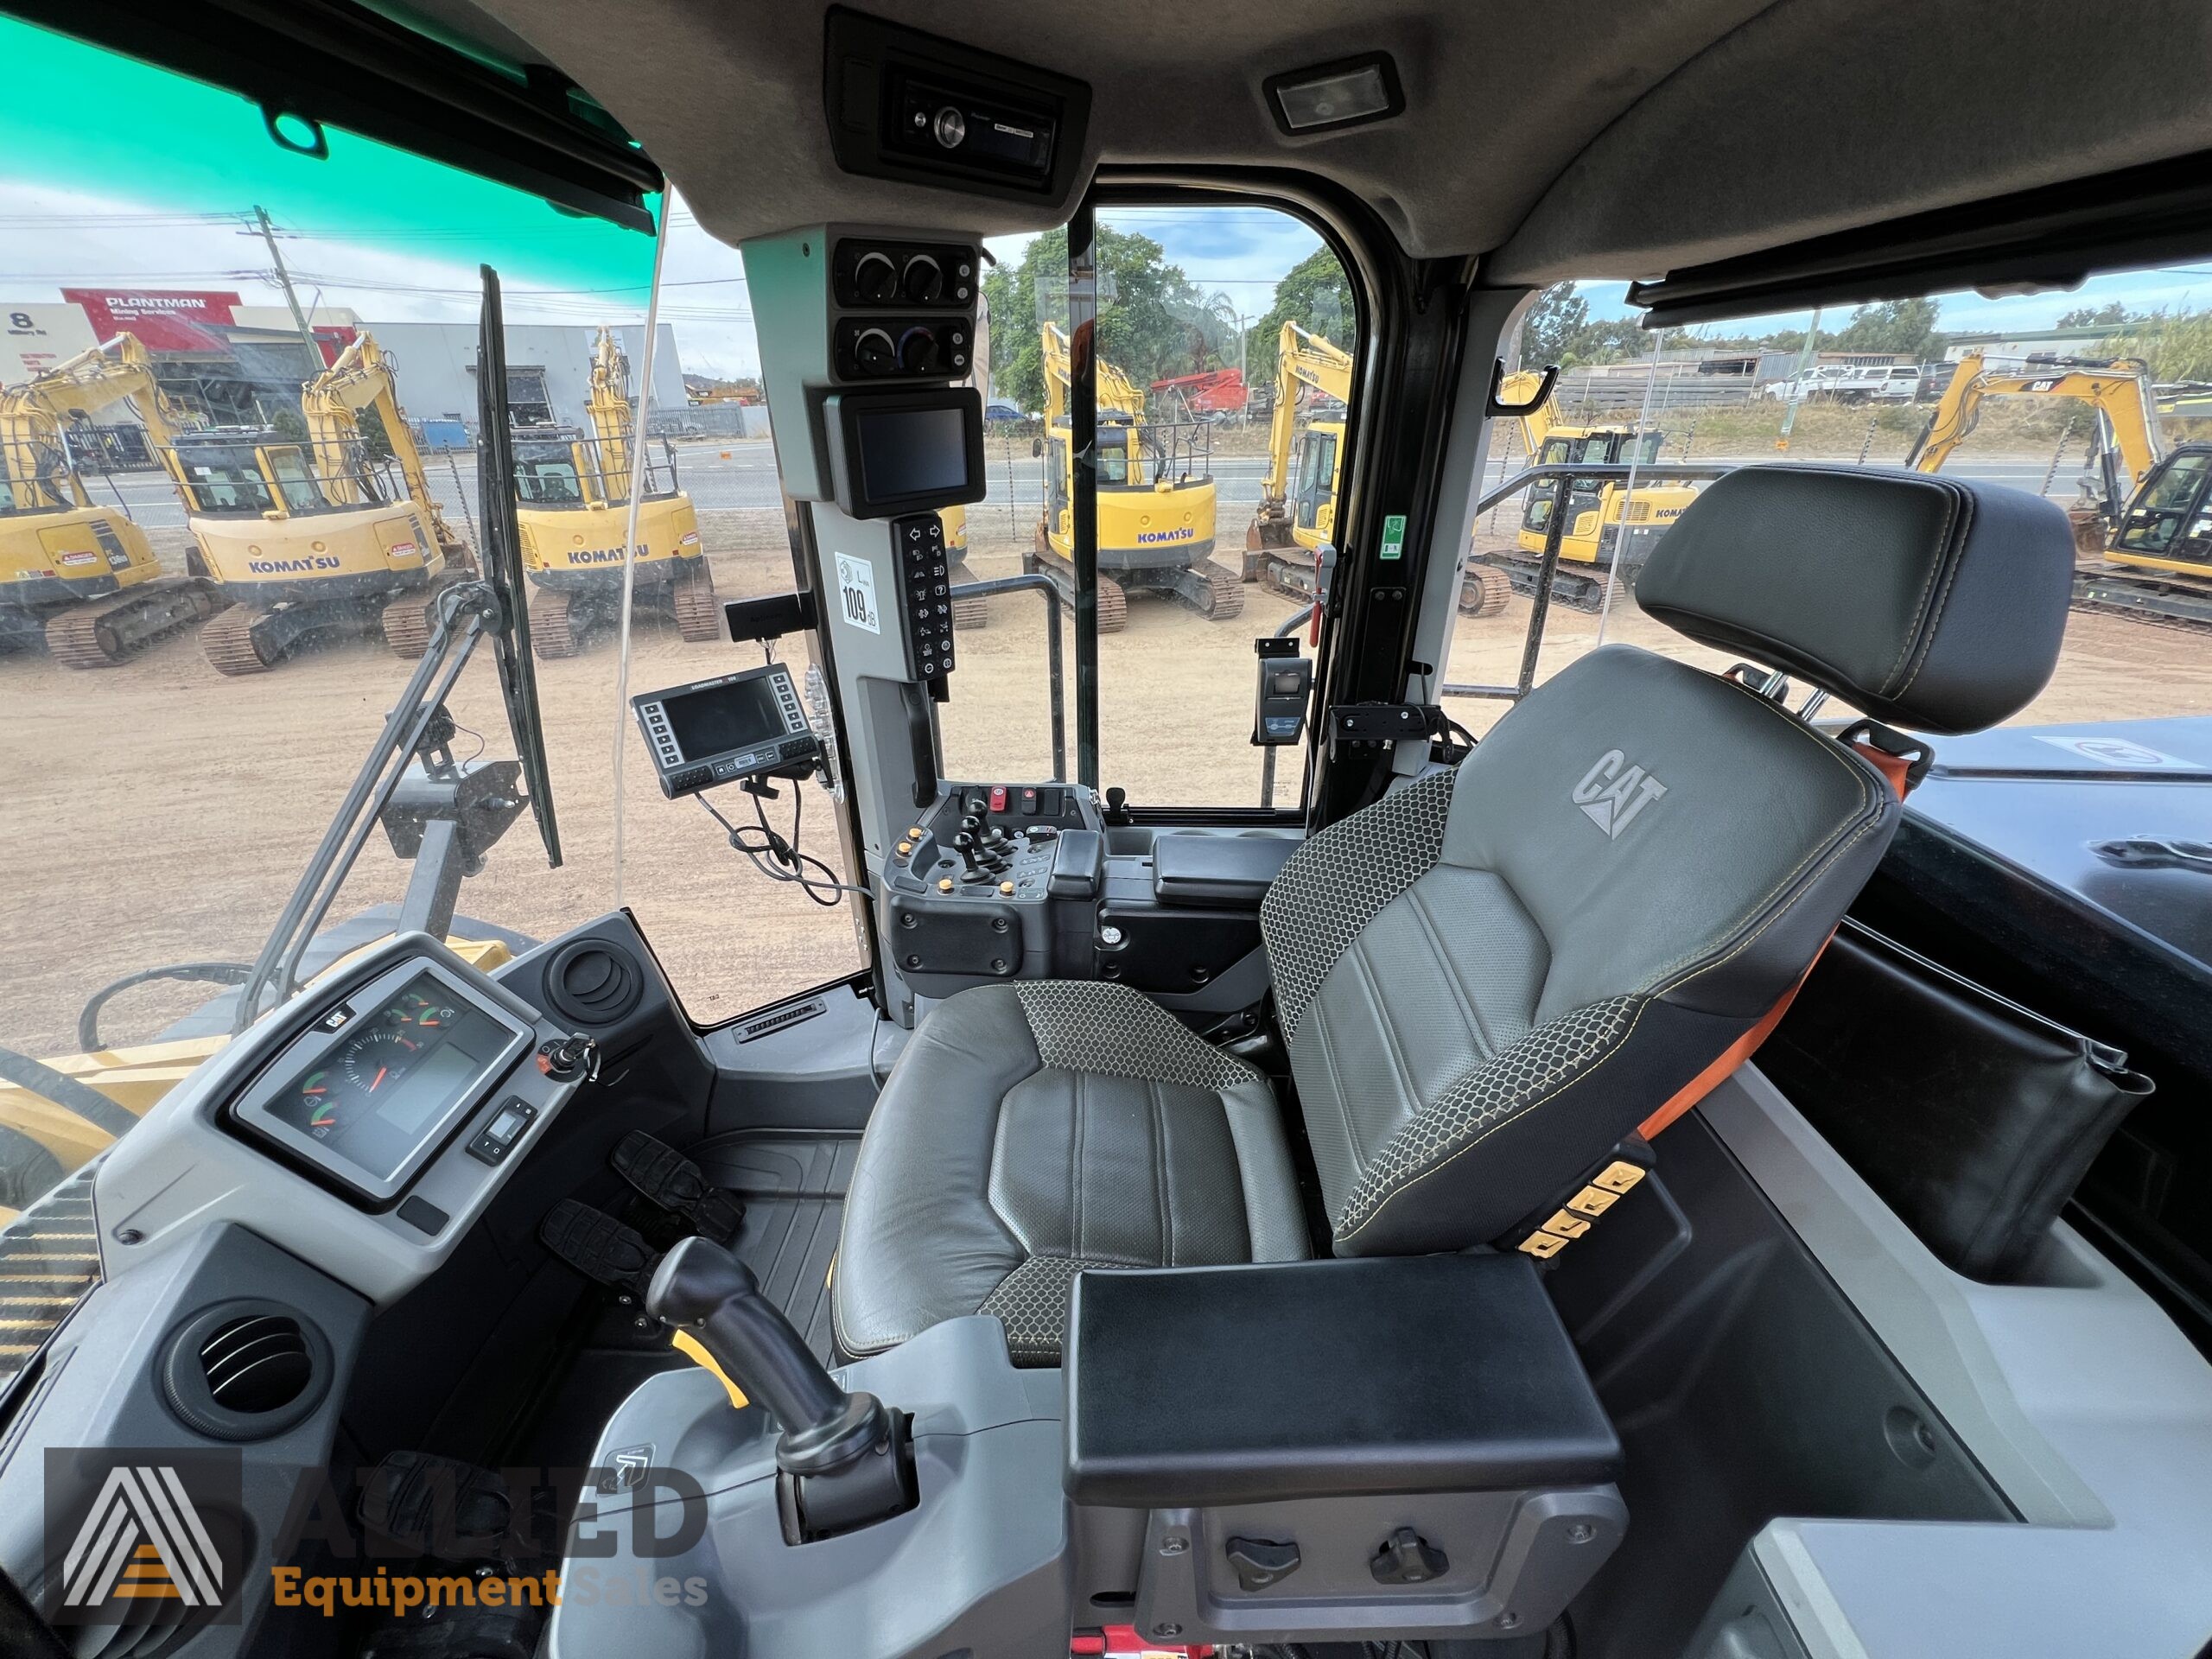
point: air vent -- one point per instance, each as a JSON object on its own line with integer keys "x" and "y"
{"x": 256, "y": 1364}
{"x": 245, "y": 1370}
{"x": 594, "y": 983}
{"x": 777, "y": 1019}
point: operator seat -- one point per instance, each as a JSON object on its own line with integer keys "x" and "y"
{"x": 1492, "y": 976}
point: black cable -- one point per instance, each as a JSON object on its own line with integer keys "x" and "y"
{"x": 778, "y": 857}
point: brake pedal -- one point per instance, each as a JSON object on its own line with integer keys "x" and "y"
{"x": 598, "y": 1247}
{"x": 678, "y": 1186}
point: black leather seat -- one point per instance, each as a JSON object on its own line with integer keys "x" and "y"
{"x": 1492, "y": 976}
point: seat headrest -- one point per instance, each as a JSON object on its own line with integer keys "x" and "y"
{"x": 1932, "y": 602}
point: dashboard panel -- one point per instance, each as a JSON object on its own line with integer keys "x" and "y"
{"x": 364, "y": 1127}
{"x": 372, "y": 1089}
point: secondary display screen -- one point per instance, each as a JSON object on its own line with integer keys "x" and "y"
{"x": 913, "y": 452}
{"x": 742, "y": 714}
{"x": 394, "y": 1074}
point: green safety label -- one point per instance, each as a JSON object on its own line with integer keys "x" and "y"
{"x": 1394, "y": 536}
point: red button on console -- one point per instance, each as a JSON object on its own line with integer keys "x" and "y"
{"x": 998, "y": 797}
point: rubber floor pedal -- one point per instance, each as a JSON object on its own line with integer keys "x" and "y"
{"x": 598, "y": 1247}
{"x": 678, "y": 1186}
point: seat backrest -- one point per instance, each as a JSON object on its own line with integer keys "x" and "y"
{"x": 1492, "y": 976}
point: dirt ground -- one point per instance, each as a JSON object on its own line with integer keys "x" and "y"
{"x": 159, "y": 812}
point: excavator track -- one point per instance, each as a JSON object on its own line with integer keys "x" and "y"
{"x": 408, "y": 621}
{"x": 968, "y": 614}
{"x": 698, "y": 612}
{"x": 105, "y": 633}
{"x": 1287, "y": 577}
{"x": 553, "y": 633}
{"x": 1484, "y": 591}
{"x": 1113, "y": 600}
{"x": 1222, "y": 597}
{"x": 236, "y": 642}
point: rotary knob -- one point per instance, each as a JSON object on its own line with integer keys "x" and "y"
{"x": 875, "y": 279}
{"x": 874, "y": 353}
{"x": 918, "y": 351}
{"x": 923, "y": 281}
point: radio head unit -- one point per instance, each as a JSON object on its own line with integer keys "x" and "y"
{"x": 744, "y": 725}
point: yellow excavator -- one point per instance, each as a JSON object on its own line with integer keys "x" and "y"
{"x": 1298, "y": 494}
{"x": 2144, "y": 518}
{"x": 1155, "y": 500}
{"x": 1608, "y": 527}
{"x": 574, "y": 508}
{"x": 83, "y": 579}
{"x": 320, "y": 535}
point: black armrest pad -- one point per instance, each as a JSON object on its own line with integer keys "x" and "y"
{"x": 1224, "y": 872}
{"x": 1318, "y": 1379}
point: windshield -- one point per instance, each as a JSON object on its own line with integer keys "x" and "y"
{"x": 223, "y": 552}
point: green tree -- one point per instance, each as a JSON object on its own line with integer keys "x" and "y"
{"x": 1552, "y": 326}
{"x": 1151, "y": 315}
{"x": 2111, "y": 314}
{"x": 2176, "y": 345}
{"x": 1316, "y": 295}
{"x": 1893, "y": 326}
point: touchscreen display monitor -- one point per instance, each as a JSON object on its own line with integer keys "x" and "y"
{"x": 742, "y": 714}
{"x": 378, "y": 1090}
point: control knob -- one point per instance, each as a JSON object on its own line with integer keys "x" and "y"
{"x": 875, "y": 279}
{"x": 923, "y": 281}
{"x": 874, "y": 352}
{"x": 918, "y": 351}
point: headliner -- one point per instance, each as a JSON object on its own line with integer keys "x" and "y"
{"x": 1563, "y": 138}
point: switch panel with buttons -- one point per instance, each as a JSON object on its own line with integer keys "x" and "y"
{"x": 925, "y": 593}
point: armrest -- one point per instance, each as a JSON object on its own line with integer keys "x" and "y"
{"x": 1322, "y": 1379}
{"x": 1217, "y": 871}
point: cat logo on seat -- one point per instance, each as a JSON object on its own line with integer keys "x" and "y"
{"x": 1612, "y": 792}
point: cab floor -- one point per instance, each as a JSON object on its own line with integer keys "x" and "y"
{"x": 793, "y": 1186}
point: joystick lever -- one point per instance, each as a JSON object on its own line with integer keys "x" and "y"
{"x": 843, "y": 1460}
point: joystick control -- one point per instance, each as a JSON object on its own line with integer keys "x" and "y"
{"x": 843, "y": 1460}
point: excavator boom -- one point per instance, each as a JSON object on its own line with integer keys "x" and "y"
{"x": 2120, "y": 392}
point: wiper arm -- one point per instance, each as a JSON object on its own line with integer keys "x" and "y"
{"x": 466, "y": 613}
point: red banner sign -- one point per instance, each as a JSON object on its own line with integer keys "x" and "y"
{"x": 164, "y": 319}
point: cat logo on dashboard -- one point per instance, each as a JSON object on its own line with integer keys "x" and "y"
{"x": 1612, "y": 792}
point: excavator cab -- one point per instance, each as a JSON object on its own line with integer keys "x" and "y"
{"x": 2169, "y": 523}
{"x": 1661, "y": 1115}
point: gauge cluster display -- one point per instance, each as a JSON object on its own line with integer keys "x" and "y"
{"x": 370, "y": 1090}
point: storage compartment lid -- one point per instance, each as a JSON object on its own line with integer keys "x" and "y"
{"x": 1218, "y": 872}
{"x": 1322, "y": 1379}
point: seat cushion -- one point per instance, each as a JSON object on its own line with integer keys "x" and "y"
{"x": 1034, "y": 1129}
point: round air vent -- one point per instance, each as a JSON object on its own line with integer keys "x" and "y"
{"x": 245, "y": 1370}
{"x": 594, "y": 983}
{"x": 256, "y": 1364}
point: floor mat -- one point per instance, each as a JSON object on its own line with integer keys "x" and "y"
{"x": 793, "y": 1188}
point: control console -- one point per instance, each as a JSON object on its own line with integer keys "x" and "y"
{"x": 995, "y": 881}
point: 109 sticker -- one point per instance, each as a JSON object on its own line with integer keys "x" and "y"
{"x": 856, "y": 593}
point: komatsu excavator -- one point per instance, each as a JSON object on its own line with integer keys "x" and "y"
{"x": 1155, "y": 500}
{"x": 320, "y": 536}
{"x": 81, "y": 577}
{"x": 1297, "y": 496}
{"x": 574, "y": 494}
{"x": 2143, "y": 522}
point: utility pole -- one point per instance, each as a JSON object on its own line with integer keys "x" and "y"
{"x": 284, "y": 282}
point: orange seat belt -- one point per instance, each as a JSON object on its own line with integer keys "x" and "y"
{"x": 1895, "y": 767}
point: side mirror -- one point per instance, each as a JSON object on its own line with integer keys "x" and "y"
{"x": 1036, "y": 448}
